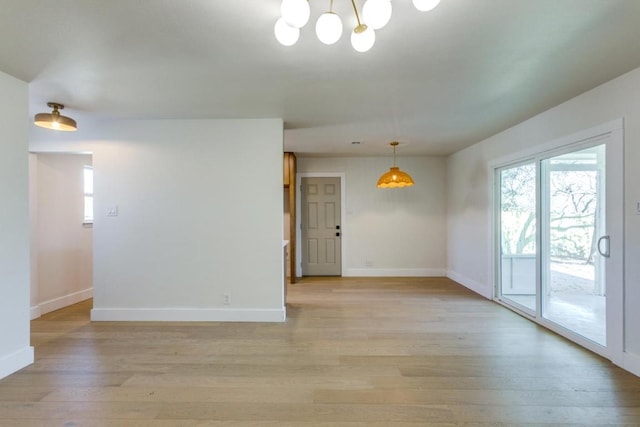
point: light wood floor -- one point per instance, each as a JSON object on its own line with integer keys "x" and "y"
{"x": 353, "y": 352}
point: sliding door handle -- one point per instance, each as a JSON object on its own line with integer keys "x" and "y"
{"x": 607, "y": 252}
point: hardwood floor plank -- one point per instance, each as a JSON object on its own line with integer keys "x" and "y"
{"x": 247, "y": 394}
{"x": 507, "y": 398}
{"x": 306, "y": 412}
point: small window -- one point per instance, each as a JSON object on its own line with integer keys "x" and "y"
{"x": 88, "y": 195}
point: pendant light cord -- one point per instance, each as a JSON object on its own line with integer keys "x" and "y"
{"x": 394, "y": 156}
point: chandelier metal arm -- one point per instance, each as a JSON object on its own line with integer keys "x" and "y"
{"x": 355, "y": 10}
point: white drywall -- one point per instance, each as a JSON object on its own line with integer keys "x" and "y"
{"x": 199, "y": 216}
{"x": 61, "y": 246}
{"x": 469, "y": 208}
{"x": 15, "y": 352}
{"x": 390, "y": 232}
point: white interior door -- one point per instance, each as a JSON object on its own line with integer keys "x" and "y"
{"x": 321, "y": 229}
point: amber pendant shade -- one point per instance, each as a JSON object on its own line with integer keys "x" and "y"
{"x": 395, "y": 178}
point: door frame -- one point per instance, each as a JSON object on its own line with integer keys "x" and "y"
{"x": 613, "y": 132}
{"x": 343, "y": 216}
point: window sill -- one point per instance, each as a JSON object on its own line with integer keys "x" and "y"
{"x": 87, "y": 224}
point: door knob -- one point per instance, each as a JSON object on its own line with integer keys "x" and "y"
{"x": 607, "y": 252}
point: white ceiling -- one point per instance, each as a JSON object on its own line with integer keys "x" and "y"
{"x": 436, "y": 81}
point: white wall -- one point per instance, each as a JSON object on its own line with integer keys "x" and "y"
{"x": 469, "y": 208}
{"x": 15, "y": 352}
{"x": 399, "y": 232}
{"x": 200, "y": 215}
{"x": 62, "y": 248}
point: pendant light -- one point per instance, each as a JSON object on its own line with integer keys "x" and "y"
{"x": 54, "y": 120}
{"x": 395, "y": 178}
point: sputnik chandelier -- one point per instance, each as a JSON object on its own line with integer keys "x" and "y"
{"x": 375, "y": 15}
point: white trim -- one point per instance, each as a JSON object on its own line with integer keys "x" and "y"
{"x": 473, "y": 285}
{"x": 61, "y": 302}
{"x": 493, "y": 247}
{"x": 567, "y": 141}
{"x": 631, "y": 363}
{"x": 394, "y": 272}
{"x": 187, "y": 315}
{"x": 35, "y": 312}
{"x": 615, "y": 269}
{"x": 343, "y": 215}
{"x": 15, "y": 361}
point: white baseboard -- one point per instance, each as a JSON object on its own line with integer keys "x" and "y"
{"x": 187, "y": 315}
{"x": 35, "y": 312}
{"x": 631, "y": 363}
{"x": 475, "y": 286}
{"x": 58, "y": 303}
{"x": 15, "y": 361}
{"x": 394, "y": 272}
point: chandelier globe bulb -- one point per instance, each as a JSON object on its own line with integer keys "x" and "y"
{"x": 329, "y": 28}
{"x": 296, "y": 13}
{"x": 377, "y": 13}
{"x": 363, "y": 38}
{"x": 286, "y": 34}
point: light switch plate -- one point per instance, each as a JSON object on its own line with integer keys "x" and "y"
{"x": 112, "y": 210}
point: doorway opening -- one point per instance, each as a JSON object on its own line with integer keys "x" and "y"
{"x": 61, "y": 224}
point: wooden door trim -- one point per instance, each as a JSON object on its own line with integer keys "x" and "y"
{"x": 290, "y": 164}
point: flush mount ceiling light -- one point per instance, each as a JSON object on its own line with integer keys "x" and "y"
{"x": 375, "y": 15}
{"x": 395, "y": 178}
{"x": 54, "y": 120}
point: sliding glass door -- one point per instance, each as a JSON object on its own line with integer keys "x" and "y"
{"x": 573, "y": 211}
{"x": 558, "y": 240}
{"x": 518, "y": 230}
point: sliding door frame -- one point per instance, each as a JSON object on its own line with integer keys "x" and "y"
{"x": 611, "y": 134}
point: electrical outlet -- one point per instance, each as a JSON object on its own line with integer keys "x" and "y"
{"x": 226, "y": 299}
{"x": 368, "y": 263}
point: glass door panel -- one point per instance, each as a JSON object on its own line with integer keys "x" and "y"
{"x": 572, "y": 270}
{"x": 517, "y": 230}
